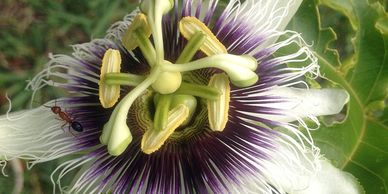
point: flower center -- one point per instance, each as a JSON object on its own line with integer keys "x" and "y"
{"x": 175, "y": 100}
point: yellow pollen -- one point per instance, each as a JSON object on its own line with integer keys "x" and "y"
{"x": 154, "y": 139}
{"x": 218, "y": 109}
{"x": 111, "y": 63}
{"x": 139, "y": 24}
{"x": 188, "y": 26}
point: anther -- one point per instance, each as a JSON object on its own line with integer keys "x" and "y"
{"x": 109, "y": 94}
{"x": 137, "y": 35}
{"x": 189, "y": 26}
{"x": 218, "y": 109}
{"x": 153, "y": 139}
{"x": 189, "y": 101}
{"x": 139, "y": 24}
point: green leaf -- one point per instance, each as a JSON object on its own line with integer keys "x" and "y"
{"x": 359, "y": 144}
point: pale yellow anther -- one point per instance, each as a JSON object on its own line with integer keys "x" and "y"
{"x": 138, "y": 25}
{"x": 111, "y": 63}
{"x": 218, "y": 109}
{"x": 188, "y": 26}
{"x": 154, "y": 139}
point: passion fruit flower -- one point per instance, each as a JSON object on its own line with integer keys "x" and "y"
{"x": 182, "y": 97}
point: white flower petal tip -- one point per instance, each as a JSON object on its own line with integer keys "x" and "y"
{"x": 331, "y": 180}
{"x": 291, "y": 7}
{"x": 273, "y": 18}
{"x": 34, "y": 135}
{"x": 307, "y": 103}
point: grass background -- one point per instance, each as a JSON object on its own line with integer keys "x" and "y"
{"x": 29, "y": 31}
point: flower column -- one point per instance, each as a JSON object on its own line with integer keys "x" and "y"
{"x": 165, "y": 79}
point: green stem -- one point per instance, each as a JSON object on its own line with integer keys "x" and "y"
{"x": 192, "y": 47}
{"x": 201, "y": 91}
{"x": 123, "y": 79}
{"x": 161, "y": 112}
{"x": 145, "y": 46}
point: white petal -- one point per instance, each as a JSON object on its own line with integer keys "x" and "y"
{"x": 331, "y": 180}
{"x": 289, "y": 167}
{"x": 294, "y": 171}
{"x": 293, "y": 6}
{"x": 303, "y": 103}
{"x": 304, "y": 173}
{"x": 34, "y": 135}
{"x": 265, "y": 18}
{"x": 281, "y": 14}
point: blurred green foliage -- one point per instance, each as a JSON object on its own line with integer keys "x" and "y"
{"x": 29, "y": 31}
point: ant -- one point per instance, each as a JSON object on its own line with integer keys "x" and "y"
{"x": 75, "y": 125}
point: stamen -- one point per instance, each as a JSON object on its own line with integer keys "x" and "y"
{"x": 153, "y": 139}
{"x": 138, "y": 25}
{"x": 189, "y": 26}
{"x": 123, "y": 79}
{"x": 137, "y": 35}
{"x": 116, "y": 133}
{"x": 240, "y": 69}
{"x": 161, "y": 111}
{"x": 218, "y": 109}
{"x": 109, "y": 94}
{"x": 201, "y": 91}
{"x": 192, "y": 46}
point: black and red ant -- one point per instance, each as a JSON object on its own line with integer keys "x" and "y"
{"x": 75, "y": 125}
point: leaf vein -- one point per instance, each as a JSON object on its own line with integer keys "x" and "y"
{"x": 370, "y": 171}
